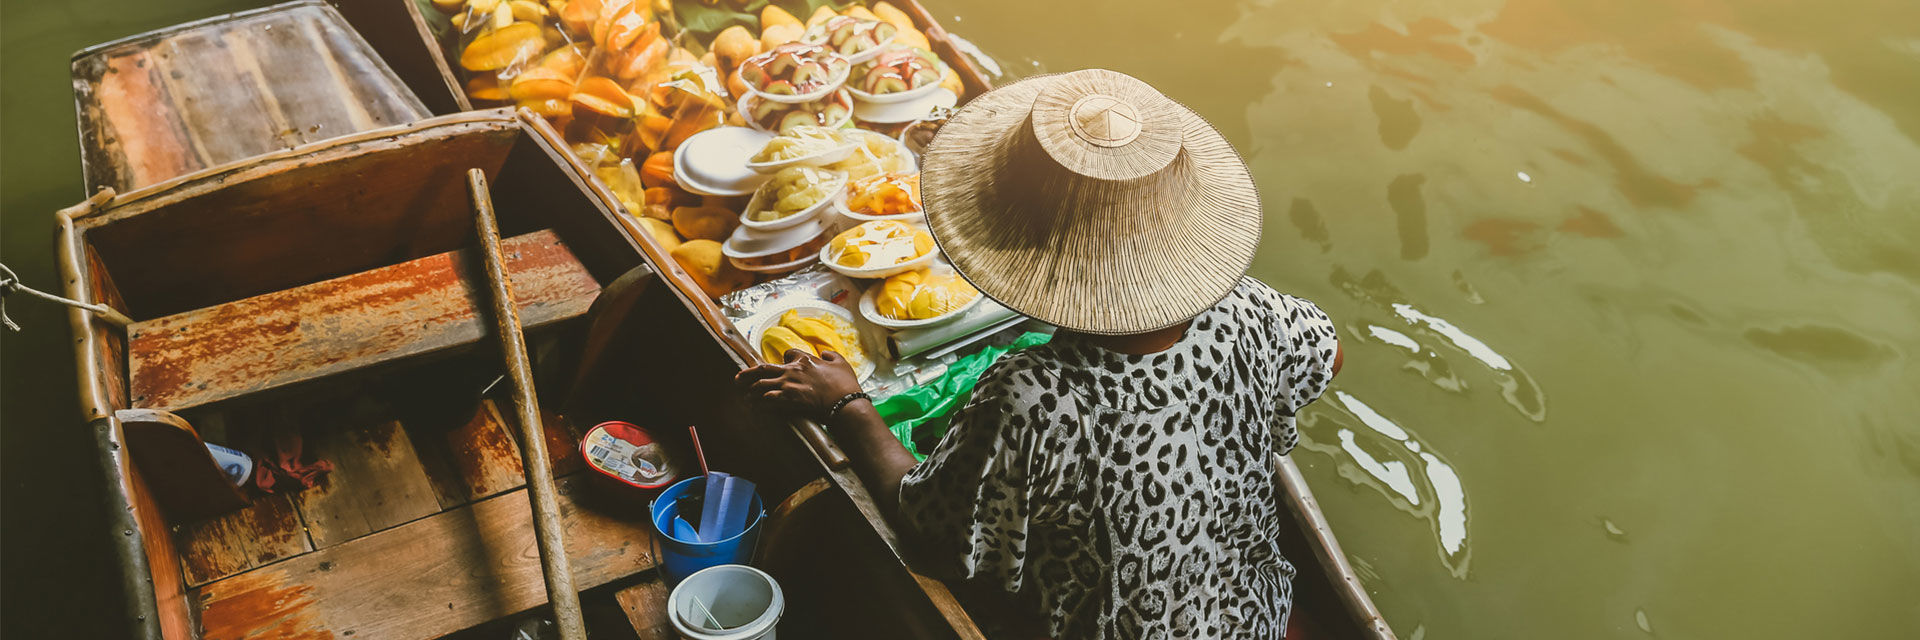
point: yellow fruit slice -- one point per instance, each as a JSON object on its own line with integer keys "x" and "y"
{"x": 485, "y": 87}
{"x": 814, "y": 330}
{"x": 779, "y": 340}
{"x": 503, "y": 47}
{"x": 540, "y": 84}
{"x": 603, "y": 96}
{"x": 662, "y": 233}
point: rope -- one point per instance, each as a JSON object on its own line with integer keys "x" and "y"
{"x": 10, "y": 283}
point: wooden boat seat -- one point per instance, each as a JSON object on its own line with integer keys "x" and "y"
{"x": 416, "y": 308}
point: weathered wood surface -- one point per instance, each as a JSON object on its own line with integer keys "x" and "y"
{"x": 479, "y": 457}
{"x": 327, "y": 328}
{"x": 646, "y": 607}
{"x": 377, "y": 481}
{"x": 296, "y": 217}
{"x": 265, "y": 531}
{"x": 547, "y": 527}
{"x": 424, "y": 579}
{"x": 222, "y": 90}
{"x": 170, "y": 601}
{"x": 186, "y": 480}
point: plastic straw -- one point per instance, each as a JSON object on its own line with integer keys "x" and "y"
{"x": 697, "y": 451}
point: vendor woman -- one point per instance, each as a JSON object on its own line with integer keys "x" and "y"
{"x": 1116, "y": 482}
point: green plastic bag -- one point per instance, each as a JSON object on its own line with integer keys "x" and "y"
{"x": 919, "y": 417}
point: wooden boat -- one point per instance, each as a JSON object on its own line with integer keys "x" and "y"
{"x": 322, "y": 291}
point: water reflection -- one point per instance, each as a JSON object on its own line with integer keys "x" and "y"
{"x": 1375, "y": 451}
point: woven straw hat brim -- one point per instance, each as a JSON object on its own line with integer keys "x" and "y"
{"x": 1091, "y": 255}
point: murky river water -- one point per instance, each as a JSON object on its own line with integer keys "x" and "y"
{"x": 1630, "y": 291}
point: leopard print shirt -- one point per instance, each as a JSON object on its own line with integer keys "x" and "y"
{"x": 1119, "y": 496}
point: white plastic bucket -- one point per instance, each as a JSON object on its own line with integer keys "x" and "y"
{"x": 745, "y": 601}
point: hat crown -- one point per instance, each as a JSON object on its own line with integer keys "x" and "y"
{"x": 1106, "y": 125}
{"x": 1104, "y": 120}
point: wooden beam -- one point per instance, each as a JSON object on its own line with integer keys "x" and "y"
{"x": 327, "y": 328}
{"x": 427, "y": 578}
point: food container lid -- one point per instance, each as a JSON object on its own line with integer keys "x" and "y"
{"x": 628, "y": 453}
{"x": 717, "y": 158}
{"x": 747, "y": 243}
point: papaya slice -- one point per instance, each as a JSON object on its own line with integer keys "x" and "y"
{"x": 603, "y": 96}
{"x": 540, "y": 84}
{"x": 502, "y": 48}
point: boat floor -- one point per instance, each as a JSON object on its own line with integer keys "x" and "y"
{"x": 421, "y": 529}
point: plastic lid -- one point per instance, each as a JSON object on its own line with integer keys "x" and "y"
{"x": 718, "y": 157}
{"x": 747, "y": 243}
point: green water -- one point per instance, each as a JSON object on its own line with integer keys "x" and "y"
{"x": 1630, "y": 292}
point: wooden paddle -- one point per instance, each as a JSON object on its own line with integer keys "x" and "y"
{"x": 533, "y": 447}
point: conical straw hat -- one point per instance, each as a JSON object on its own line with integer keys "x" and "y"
{"x": 1090, "y": 201}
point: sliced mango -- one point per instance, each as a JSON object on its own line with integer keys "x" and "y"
{"x": 778, "y": 340}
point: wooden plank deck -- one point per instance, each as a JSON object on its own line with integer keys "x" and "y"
{"x": 426, "y": 578}
{"x": 373, "y": 317}
{"x": 377, "y": 482}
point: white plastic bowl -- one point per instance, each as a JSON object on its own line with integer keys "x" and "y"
{"x": 747, "y": 244}
{"x": 757, "y": 327}
{"x": 878, "y": 272}
{"x": 909, "y": 95}
{"x": 746, "y": 112}
{"x": 870, "y": 309}
{"x": 839, "y": 81}
{"x": 869, "y": 54}
{"x": 918, "y": 218}
{"x": 821, "y": 159}
{"x": 712, "y": 162}
{"x": 784, "y": 267}
{"x": 833, "y": 83}
{"x": 902, "y": 111}
{"x": 839, "y": 185}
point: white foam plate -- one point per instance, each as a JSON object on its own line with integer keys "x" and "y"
{"x": 840, "y": 206}
{"x": 870, "y": 309}
{"x": 838, "y": 186}
{"x": 714, "y": 162}
{"x": 904, "y": 111}
{"x": 757, "y": 327}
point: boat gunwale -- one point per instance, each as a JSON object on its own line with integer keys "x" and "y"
{"x": 162, "y": 32}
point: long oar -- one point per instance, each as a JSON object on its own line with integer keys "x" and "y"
{"x": 533, "y": 447}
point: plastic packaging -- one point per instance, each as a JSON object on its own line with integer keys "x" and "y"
{"x": 920, "y": 416}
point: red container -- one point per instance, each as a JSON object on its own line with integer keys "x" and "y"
{"x": 629, "y": 458}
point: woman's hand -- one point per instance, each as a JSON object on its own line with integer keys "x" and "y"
{"x": 806, "y": 384}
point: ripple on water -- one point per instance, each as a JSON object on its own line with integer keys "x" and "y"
{"x": 1373, "y": 450}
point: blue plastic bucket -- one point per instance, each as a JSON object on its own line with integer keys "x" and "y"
{"x": 681, "y": 559}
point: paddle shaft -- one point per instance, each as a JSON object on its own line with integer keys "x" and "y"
{"x": 533, "y": 448}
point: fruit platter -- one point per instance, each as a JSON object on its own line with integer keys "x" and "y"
{"x": 749, "y": 146}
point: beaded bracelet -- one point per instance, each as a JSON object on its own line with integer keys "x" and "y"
{"x": 844, "y": 401}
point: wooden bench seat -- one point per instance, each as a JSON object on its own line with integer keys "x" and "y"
{"x": 415, "y": 308}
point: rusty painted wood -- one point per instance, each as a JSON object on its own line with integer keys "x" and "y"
{"x": 221, "y": 90}
{"x": 424, "y": 579}
{"x": 170, "y": 599}
{"x": 186, "y": 480}
{"x": 377, "y": 481}
{"x": 266, "y": 531}
{"x": 526, "y": 405}
{"x": 340, "y": 325}
{"x": 646, "y": 607}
